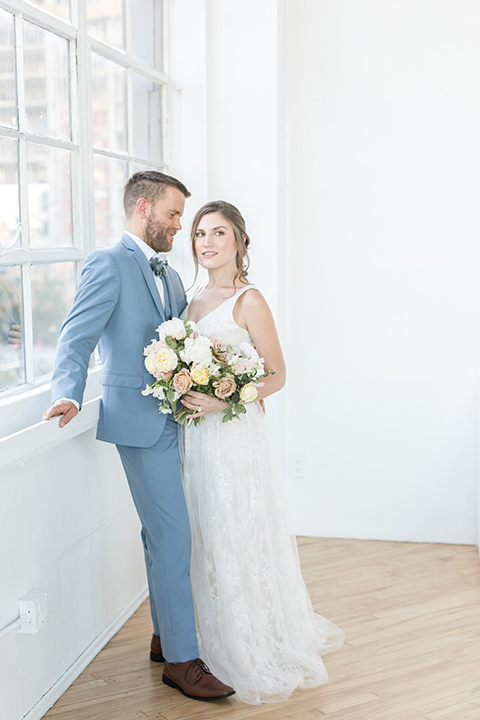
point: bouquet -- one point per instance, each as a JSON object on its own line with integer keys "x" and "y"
{"x": 183, "y": 359}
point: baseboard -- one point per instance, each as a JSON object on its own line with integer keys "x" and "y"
{"x": 64, "y": 682}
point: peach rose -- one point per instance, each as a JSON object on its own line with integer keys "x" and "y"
{"x": 182, "y": 382}
{"x": 225, "y": 387}
{"x": 219, "y": 350}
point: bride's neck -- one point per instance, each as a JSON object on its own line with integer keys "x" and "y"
{"x": 223, "y": 280}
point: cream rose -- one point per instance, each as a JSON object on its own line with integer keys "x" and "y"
{"x": 199, "y": 375}
{"x": 248, "y": 393}
{"x": 182, "y": 382}
{"x": 161, "y": 361}
{"x": 225, "y": 387}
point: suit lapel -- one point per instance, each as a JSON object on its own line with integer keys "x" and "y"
{"x": 171, "y": 294}
{"x": 146, "y": 271}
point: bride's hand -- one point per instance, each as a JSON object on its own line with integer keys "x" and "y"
{"x": 202, "y": 404}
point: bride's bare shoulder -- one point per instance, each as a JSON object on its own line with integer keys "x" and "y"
{"x": 249, "y": 305}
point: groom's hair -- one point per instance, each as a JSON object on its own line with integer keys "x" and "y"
{"x": 148, "y": 184}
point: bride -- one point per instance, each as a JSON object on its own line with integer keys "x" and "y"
{"x": 255, "y": 623}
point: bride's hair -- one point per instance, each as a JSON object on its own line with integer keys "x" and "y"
{"x": 234, "y": 217}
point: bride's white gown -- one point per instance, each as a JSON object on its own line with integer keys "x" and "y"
{"x": 256, "y": 627}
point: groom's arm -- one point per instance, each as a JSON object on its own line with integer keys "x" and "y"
{"x": 94, "y": 304}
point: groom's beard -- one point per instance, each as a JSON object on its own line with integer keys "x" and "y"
{"x": 157, "y": 237}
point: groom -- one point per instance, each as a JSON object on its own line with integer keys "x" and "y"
{"x": 125, "y": 292}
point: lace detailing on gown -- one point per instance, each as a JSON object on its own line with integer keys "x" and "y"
{"x": 256, "y": 627}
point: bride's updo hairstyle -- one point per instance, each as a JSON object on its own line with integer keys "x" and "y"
{"x": 232, "y": 215}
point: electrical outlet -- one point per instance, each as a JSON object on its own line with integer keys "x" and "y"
{"x": 298, "y": 472}
{"x": 34, "y": 606}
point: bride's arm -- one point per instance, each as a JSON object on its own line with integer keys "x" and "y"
{"x": 253, "y": 313}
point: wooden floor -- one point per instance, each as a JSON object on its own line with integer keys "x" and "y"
{"x": 411, "y": 613}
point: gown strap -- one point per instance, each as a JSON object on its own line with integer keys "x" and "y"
{"x": 234, "y": 298}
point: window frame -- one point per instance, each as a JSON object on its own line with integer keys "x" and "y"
{"x": 80, "y": 145}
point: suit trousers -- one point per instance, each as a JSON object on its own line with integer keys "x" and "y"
{"x": 155, "y": 481}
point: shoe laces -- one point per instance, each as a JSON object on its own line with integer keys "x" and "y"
{"x": 195, "y": 671}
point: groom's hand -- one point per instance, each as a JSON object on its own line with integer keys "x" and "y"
{"x": 65, "y": 408}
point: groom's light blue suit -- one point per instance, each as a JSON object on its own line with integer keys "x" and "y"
{"x": 118, "y": 307}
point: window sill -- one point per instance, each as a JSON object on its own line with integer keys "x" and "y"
{"x": 24, "y": 409}
{"x": 27, "y": 443}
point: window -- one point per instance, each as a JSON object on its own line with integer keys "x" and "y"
{"x": 83, "y": 97}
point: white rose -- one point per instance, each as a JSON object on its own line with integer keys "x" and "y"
{"x": 173, "y": 328}
{"x": 245, "y": 365}
{"x": 193, "y": 326}
{"x": 248, "y": 350}
{"x": 197, "y": 351}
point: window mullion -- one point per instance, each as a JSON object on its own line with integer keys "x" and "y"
{"x": 130, "y": 118}
{"x": 20, "y": 71}
{"x": 127, "y": 9}
{"x": 27, "y": 331}
{"x": 75, "y": 11}
{"x": 22, "y": 143}
{"x": 75, "y": 159}
{"x": 85, "y": 135}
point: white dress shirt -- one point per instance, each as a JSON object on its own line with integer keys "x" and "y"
{"x": 149, "y": 253}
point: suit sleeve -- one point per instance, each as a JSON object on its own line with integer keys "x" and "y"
{"x": 95, "y": 301}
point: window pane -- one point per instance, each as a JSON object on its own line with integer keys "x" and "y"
{"x": 12, "y": 365}
{"x": 105, "y": 22}
{"x": 109, "y": 104}
{"x": 47, "y": 104}
{"x": 148, "y": 47}
{"x": 60, "y": 8}
{"x": 147, "y": 119}
{"x": 109, "y": 178}
{"x": 8, "y": 90}
{"x": 53, "y": 290}
{"x": 49, "y": 196}
{"x": 9, "y": 196}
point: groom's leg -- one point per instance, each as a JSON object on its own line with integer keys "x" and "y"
{"x": 156, "y": 486}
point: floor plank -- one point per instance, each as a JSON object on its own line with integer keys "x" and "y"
{"x": 411, "y": 614}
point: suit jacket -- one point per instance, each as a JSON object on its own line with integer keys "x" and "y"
{"x": 118, "y": 307}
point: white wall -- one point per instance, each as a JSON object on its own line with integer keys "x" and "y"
{"x": 347, "y": 133}
{"x": 242, "y": 123}
{"x": 383, "y": 157}
{"x": 68, "y": 528}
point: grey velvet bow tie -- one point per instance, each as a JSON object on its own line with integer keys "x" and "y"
{"x": 158, "y": 266}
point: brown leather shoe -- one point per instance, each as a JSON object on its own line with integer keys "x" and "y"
{"x": 156, "y": 654}
{"x": 194, "y": 680}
